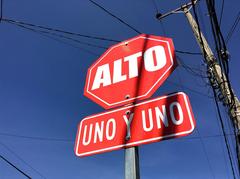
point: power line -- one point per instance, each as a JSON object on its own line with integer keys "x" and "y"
{"x": 59, "y": 35}
{"x": 69, "y": 44}
{"x": 231, "y": 143}
{"x": 202, "y": 21}
{"x": 201, "y": 140}
{"x": 213, "y": 19}
{"x": 194, "y": 71}
{"x": 58, "y": 30}
{"x": 221, "y": 14}
{"x": 49, "y": 31}
{"x": 192, "y": 90}
{"x": 36, "y": 138}
{"x": 155, "y": 5}
{"x": 206, "y": 154}
{"x": 77, "y": 41}
{"x": 188, "y": 53}
{"x": 164, "y": 31}
{"x": 17, "y": 156}
{"x": 1, "y": 13}
{"x": 48, "y": 35}
{"x": 3, "y": 158}
{"x": 114, "y": 16}
{"x": 222, "y": 58}
{"x": 222, "y": 142}
{"x": 231, "y": 31}
{"x": 199, "y": 31}
{"x": 70, "y": 140}
{"x": 224, "y": 134}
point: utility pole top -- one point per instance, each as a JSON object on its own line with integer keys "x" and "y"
{"x": 160, "y": 16}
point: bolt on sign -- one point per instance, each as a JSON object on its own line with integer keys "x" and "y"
{"x": 131, "y": 70}
{"x": 146, "y": 122}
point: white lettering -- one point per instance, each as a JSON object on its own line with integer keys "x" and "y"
{"x": 89, "y": 135}
{"x": 98, "y": 132}
{"x": 113, "y": 122}
{"x": 161, "y": 116}
{"x": 180, "y": 112}
{"x": 117, "y": 71}
{"x": 150, "y": 118}
{"x": 158, "y": 53}
{"x": 102, "y": 77}
{"x": 133, "y": 64}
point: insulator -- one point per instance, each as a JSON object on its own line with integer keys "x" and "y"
{"x": 224, "y": 54}
{"x": 220, "y": 97}
{"x": 215, "y": 86}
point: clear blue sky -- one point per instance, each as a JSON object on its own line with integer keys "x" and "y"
{"x": 42, "y": 80}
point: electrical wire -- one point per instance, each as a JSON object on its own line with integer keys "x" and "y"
{"x": 188, "y": 53}
{"x": 36, "y": 138}
{"x": 220, "y": 39}
{"x": 114, "y": 16}
{"x": 220, "y": 47}
{"x": 232, "y": 143}
{"x": 192, "y": 90}
{"x": 71, "y": 140}
{"x": 25, "y": 24}
{"x": 222, "y": 141}
{"x": 201, "y": 140}
{"x": 206, "y": 154}
{"x": 232, "y": 29}
{"x": 199, "y": 31}
{"x": 221, "y": 14}
{"x": 59, "y": 30}
{"x": 202, "y": 21}
{"x": 194, "y": 71}
{"x": 157, "y": 12}
{"x": 48, "y": 35}
{"x": 155, "y": 5}
{"x": 1, "y": 8}
{"x": 59, "y": 35}
{"x": 49, "y": 32}
{"x": 19, "y": 158}
{"x": 224, "y": 135}
{"x": 165, "y": 34}
{"x": 14, "y": 166}
{"x": 222, "y": 59}
{"x": 69, "y": 44}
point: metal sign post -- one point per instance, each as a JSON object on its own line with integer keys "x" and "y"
{"x": 132, "y": 170}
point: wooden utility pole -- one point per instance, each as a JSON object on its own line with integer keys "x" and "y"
{"x": 229, "y": 98}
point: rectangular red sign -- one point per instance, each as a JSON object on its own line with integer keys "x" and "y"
{"x": 146, "y": 122}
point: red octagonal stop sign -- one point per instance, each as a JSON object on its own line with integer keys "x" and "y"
{"x": 131, "y": 70}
